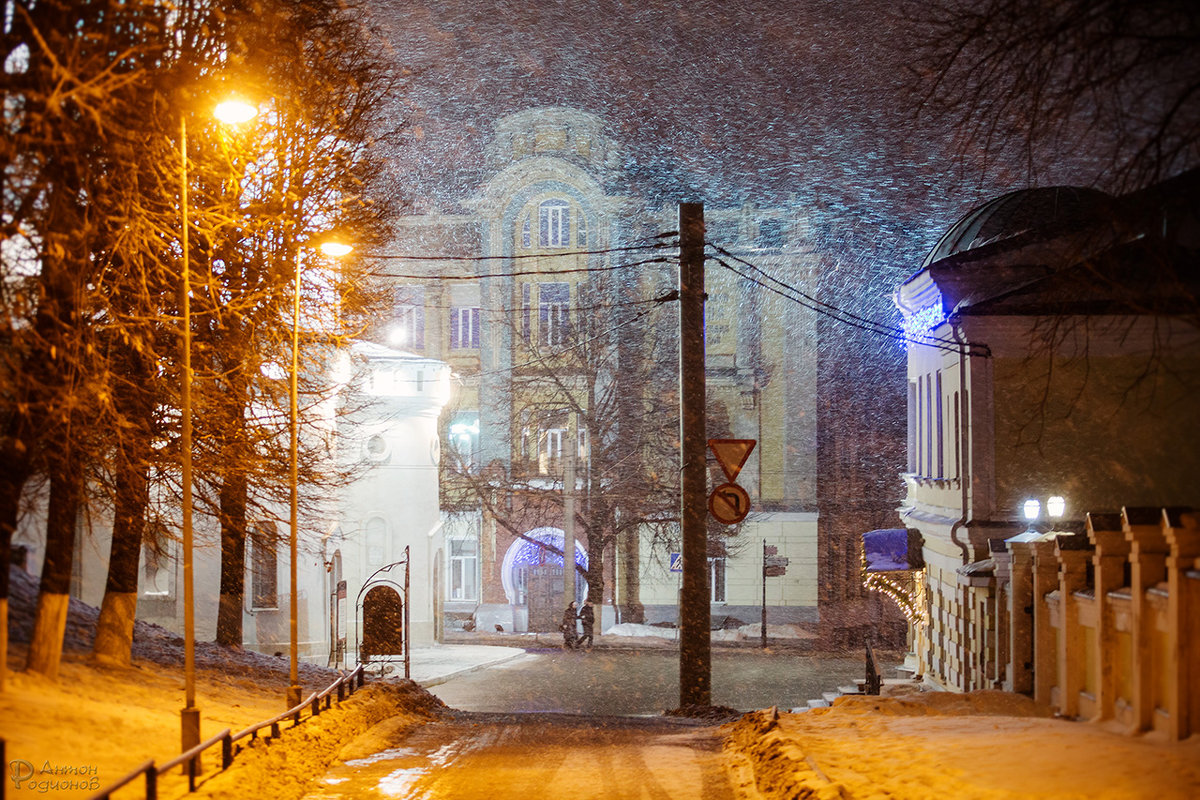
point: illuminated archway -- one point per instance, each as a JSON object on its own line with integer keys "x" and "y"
{"x": 523, "y": 553}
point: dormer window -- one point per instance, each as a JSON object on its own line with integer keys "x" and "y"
{"x": 555, "y": 223}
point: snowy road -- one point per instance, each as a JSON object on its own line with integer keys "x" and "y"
{"x": 526, "y": 756}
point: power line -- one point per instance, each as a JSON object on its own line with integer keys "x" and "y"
{"x": 523, "y": 273}
{"x": 574, "y": 345}
{"x": 790, "y": 292}
{"x": 656, "y": 245}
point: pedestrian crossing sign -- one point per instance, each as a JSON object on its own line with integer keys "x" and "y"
{"x": 676, "y": 562}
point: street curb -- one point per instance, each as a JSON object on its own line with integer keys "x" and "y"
{"x": 437, "y": 680}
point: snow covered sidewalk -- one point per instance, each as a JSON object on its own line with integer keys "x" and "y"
{"x": 986, "y": 745}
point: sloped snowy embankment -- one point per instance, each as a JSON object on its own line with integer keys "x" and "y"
{"x": 985, "y": 745}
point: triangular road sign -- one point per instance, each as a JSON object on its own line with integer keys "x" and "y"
{"x": 732, "y": 454}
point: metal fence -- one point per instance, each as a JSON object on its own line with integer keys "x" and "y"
{"x": 343, "y": 687}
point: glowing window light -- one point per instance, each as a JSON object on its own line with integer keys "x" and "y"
{"x": 1056, "y": 506}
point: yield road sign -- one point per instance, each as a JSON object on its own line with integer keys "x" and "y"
{"x": 729, "y": 504}
{"x": 731, "y": 455}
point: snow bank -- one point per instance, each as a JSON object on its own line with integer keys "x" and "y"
{"x": 985, "y": 745}
{"x": 287, "y": 768}
{"x": 746, "y": 633}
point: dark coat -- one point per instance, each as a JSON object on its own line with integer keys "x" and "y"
{"x": 587, "y": 615}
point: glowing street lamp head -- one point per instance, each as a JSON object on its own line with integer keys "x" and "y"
{"x": 1032, "y": 509}
{"x": 336, "y": 249}
{"x": 234, "y": 111}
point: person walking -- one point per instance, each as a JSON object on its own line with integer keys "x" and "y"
{"x": 587, "y": 615}
{"x": 568, "y": 627}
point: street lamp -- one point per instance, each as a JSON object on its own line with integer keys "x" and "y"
{"x": 335, "y": 250}
{"x": 230, "y": 112}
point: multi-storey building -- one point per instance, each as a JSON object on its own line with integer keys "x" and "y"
{"x": 548, "y": 292}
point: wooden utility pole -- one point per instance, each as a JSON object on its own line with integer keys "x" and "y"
{"x": 569, "y": 517}
{"x": 695, "y": 664}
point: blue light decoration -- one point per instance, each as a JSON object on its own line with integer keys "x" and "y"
{"x": 892, "y": 550}
{"x": 918, "y": 324}
{"x": 530, "y": 554}
{"x": 893, "y": 564}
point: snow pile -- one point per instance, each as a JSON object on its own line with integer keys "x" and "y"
{"x": 745, "y": 633}
{"x": 100, "y": 721}
{"x": 360, "y": 725}
{"x": 987, "y": 745}
{"x": 642, "y": 631}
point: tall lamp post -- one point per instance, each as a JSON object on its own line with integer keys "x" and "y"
{"x": 334, "y": 250}
{"x": 229, "y": 112}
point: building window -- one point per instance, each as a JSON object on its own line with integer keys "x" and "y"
{"x": 913, "y": 416}
{"x": 770, "y": 234}
{"x": 941, "y": 431}
{"x": 464, "y": 328}
{"x": 928, "y": 425}
{"x": 376, "y": 550}
{"x": 464, "y": 569}
{"x": 264, "y": 567}
{"x": 553, "y": 313}
{"x": 526, "y": 237}
{"x": 408, "y": 326}
{"x": 158, "y": 564}
{"x": 464, "y": 438}
{"x": 957, "y": 438}
{"x": 581, "y": 232}
{"x": 550, "y": 450}
{"x": 526, "y": 305}
{"x": 554, "y": 223}
{"x": 716, "y": 579}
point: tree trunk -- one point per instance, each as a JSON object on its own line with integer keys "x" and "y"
{"x": 114, "y": 628}
{"x": 13, "y": 474}
{"x": 50, "y": 622}
{"x": 233, "y": 559}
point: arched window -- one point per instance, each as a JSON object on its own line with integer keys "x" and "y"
{"x": 554, "y": 223}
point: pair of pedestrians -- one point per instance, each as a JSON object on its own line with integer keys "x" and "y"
{"x": 586, "y": 615}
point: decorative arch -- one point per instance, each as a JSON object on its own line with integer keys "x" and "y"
{"x": 526, "y": 553}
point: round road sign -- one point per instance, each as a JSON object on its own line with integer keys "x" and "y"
{"x": 729, "y": 504}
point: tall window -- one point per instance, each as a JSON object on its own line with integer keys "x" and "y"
{"x": 941, "y": 431}
{"x": 554, "y": 218}
{"x": 376, "y": 542}
{"x": 913, "y": 416}
{"x": 553, "y": 313}
{"x": 464, "y": 561}
{"x": 525, "y": 311}
{"x": 716, "y": 579}
{"x": 550, "y": 451}
{"x": 928, "y": 425}
{"x": 158, "y": 564}
{"x": 264, "y": 567}
{"x": 957, "y": 439}
{"x": 408, "y": 327}
{"x": 464, "y": 328}
{"x": 464, "y": 438}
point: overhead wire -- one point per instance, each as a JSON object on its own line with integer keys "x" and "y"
{"x": 787, "y": 291}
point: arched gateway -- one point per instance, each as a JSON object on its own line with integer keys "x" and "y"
{"x": 533, "y": 577}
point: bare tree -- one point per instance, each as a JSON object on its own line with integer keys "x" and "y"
{"x": 1039, "y": 82}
